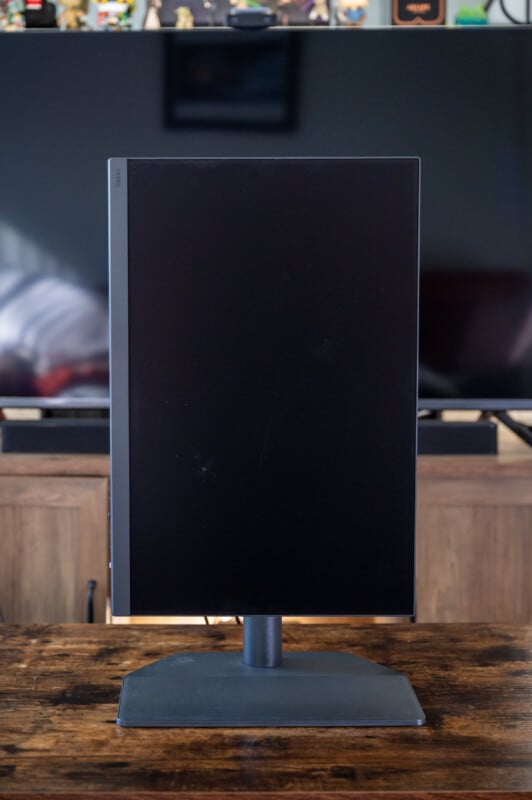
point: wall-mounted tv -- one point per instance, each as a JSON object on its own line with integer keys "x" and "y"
{"x": 460, "y": 100}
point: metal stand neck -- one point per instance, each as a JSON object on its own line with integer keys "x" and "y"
{"x": 263, "y": 641}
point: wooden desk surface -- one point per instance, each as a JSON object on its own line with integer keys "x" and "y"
{"x": 59, "y": 688}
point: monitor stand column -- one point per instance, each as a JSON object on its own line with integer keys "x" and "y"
{"x": 263, "y": 641}
{"x": 263, "y": 688}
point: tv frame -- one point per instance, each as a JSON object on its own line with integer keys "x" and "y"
{"x": 473, "y": 404}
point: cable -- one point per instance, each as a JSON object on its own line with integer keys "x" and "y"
{"x": 91, "y": 586}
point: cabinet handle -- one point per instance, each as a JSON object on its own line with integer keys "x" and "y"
{"x": 91, "y": 586}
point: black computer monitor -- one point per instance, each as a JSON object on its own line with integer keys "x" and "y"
{"x": 264, "y": 319}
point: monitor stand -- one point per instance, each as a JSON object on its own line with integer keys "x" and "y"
{"x": 263, "y": 688}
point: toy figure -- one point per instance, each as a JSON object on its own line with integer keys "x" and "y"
{"x": 73, "y": 15}
{"x": 296, "y": 12}
{"x": 245, "y": 4}
{"x": 151, "y": 20}
{"x": 114, "y": 15}
{"x": 184, "y": 17}
{"x": 319, "y": 13}
{"x": 14, "y": 18}
{"x": 210, "y": 7}
{"x": 475, "y": 15}
{"x": 351, "y": 12}
{"x": 283, "y": 9}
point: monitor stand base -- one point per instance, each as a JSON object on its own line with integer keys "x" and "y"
{"x": 316, "y": 689}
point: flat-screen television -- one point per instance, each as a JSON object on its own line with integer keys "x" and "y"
{"x": 246, "y": 477}
{"x": 459, "y": 99}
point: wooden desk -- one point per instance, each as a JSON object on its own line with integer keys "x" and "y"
{"x": 59, "y": 688}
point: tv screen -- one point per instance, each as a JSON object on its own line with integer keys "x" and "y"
{"x": 263, "y": 440}
{"x": 460, "y": 99}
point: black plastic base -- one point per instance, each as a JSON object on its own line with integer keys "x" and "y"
{"x": 309, "y": 689}
{"x": 438, "y": 437}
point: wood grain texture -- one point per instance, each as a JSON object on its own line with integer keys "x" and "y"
{"x": 479, "y": 565}
{"x": 474, "y": 533}
{"x": 54, "y": 534}
{"x": 59, "y": 688}
{"x": 456, "y": 467}
{"x": 474, "y": 539}
{"x": 53, "y": 464}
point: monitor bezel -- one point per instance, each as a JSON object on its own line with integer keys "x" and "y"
{"x": 119, "y": 378}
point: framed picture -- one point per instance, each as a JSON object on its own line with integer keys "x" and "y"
{"x": 230, "y": 80}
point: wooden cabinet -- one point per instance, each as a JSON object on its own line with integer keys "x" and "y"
{"x": 53, "y": 536}
{"x": 474, "y": 539}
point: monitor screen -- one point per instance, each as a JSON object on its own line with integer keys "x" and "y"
{"x": 459, "y": 99}
{"x": 264, "y": 385}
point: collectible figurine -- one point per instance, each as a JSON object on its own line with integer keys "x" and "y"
{"x": 151, "y": 20}
{"x": 351, "y": 12}
{"x": 73, "y": 15}
{"x": 475, "y": 15}
{"x": 283, "y": 9}
{"x": 3, "y": 15}
{"x": 210, "y": 7}
{"x": 319, "y": 13}
{"x": 297, "y": 12}
{"x": 114, "y": 15}
{"x": 245, "y": 4}
{"x": 184, "y": 17}
{"x": 14, "y": 16}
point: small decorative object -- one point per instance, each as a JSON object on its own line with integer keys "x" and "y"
{"x": 114, "y": 15}
{"x": 210, "y": 7}
{"x": 418, "y": 12}
{"x": 73, "y": 15}
{"x": 319, "y": 12}
{"x": 245, "y": 4}
{"x": 40, "y": 14}
{"x": 3, "y": 15}
{"x": 14, "y": 19}
{"x": 151, "y": 20}
{"x": 351, "y": 13}
{"x": 185, "y": 18}
{"x": 471, "y": 15}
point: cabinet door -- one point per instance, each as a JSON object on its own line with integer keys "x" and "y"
{"x": 54, "y": 539}
{"x": 474, "y": 548}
